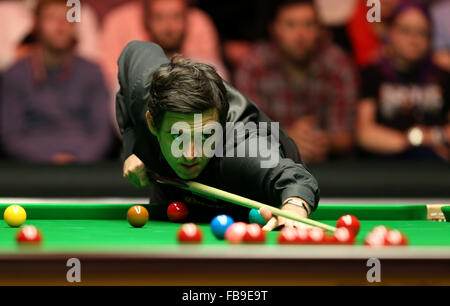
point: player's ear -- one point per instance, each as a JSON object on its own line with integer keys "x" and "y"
{"x": 150, "y": 123}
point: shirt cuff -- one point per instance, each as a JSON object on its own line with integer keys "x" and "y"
{"x": 302, "y": 192}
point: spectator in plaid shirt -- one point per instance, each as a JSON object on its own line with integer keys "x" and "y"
{"x": 302, "y": 81}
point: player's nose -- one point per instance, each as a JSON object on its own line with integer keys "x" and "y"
{"x": 190, "y": 153}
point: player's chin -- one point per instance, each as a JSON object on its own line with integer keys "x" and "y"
{"x": 188, "y": 176}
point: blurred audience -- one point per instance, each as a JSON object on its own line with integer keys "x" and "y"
{"x": 405, "y": 107}
{"x": 54, "y": 103}
{"x": 303, "y": 81}
{"x": 334, "y": 17}
{"x": 367, "y": 38}
{"x": 103, "y": 7}
{"x": 289, "y": 56}
{"x": 441, "y": 37}
{"x": 248, "y": 24}
{"x": 17, "y": 23}
{"x": 176, "y": 27}
{"x": 333, "y": 12}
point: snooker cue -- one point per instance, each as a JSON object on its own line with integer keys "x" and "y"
{"x": 209, "y": 192}
{"x": 206, "y": 190}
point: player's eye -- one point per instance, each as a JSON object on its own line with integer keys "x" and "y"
{"x": 176, "y": 135}
{"x": 206, "y": 136}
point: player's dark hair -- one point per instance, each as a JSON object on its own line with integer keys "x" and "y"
{"x": 280, "y": 4}
{"x": 184, "y": 86}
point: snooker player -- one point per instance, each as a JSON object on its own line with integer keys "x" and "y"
{"x": 157, "y": 93}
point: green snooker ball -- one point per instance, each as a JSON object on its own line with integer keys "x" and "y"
{"x": 255, "y": 217}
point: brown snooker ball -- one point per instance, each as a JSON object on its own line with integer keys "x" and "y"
{"x": 137, "y": 216}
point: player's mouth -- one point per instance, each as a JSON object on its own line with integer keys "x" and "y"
{"x": 189, "y": 167}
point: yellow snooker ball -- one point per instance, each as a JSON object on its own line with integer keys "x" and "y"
{"x": 15, "y": 215}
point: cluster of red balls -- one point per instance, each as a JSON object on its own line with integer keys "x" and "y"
{"x": 347, "y": 229}
{"x": 238, "y": 232}
{"x": 383, "y": 236}
{"x": 290, "y": 235}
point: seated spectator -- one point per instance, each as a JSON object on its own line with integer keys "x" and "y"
{"x": 55, "y": 103}
{"x": 307, "y": 84}
{"x": 441, "y": 37}
{"x": 367, "y": 38}
{"x": 16, "y": 22}
{"x": 169, "y": 23}
{"x": 334, "y": 17}
{"x": 332, "y": 13}
{"x": 102, "y": 8}
{"x": 2, "y": 155}
{"x": 404, "y": 111}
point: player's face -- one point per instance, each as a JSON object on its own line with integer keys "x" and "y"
{"x": 166, "y": 22}
{"x": 296, "y": 31}
{"x": 188, "y": 166}
{"x": 409, "y": 36}
{"x": 54, "y": 30}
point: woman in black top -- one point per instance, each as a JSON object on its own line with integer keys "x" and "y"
{"x": 405, "y": 105}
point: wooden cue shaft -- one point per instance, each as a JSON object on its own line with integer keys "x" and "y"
{"x": 205, "y": 190}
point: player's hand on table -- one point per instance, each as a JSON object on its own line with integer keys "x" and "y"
{"x": 274, "y": 222}
{"x": 135, "y": 171}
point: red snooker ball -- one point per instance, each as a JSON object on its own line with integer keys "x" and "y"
{"x": 317, "y": 236}
{"x": 235, "y": 232}
{"x": 177, "y": 212}
{"x": 396, "y": 238}
{"x": 303, "y": 235}
{"x": 380, "y": 230}
{"x": 350, "y": 222}
{"x": 288, "y": 235}
{"x": 377, "y": 236}
{"x": 29, "y": 234}
{"x": 189, "y": 233}
{"x": 343, "y": 236}
{"x": 254, "y": 234}
{"x": 375, "y": 240}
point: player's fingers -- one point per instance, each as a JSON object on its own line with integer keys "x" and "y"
{"x": 304, "y": 226}
{"x": 143, "y": 179}
{"x": 139, "y": 169}
{"x": 265, "y": 213}
{"x": 290, "y": 223}
{"x": 285, "y": 222}
{"x": 131, "y": 170}
{"x": 300, "y": 225}
{"x": 270, "y": 225}
{"x": 134, "y": 179}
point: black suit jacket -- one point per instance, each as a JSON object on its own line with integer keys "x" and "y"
{"x": 240, "y": 175}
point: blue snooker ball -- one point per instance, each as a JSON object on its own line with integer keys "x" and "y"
{"x": 255, "y": 217}
{"x": 220, "y": 224}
